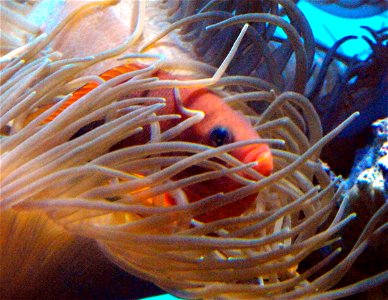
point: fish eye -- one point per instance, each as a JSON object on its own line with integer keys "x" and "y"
{"x": 220, "y": 136}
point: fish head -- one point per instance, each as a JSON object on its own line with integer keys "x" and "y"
{"x": 223, "y": 125}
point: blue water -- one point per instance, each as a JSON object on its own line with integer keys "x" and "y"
{"x": 328, "y": 29}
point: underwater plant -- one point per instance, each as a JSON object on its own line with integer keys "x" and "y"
{"x": 66, "y": 185}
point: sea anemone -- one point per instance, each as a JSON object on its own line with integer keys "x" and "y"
{"x": 59, "y": 192}
{"x": 16, "y": 29}
{"x": 361, "y": 84}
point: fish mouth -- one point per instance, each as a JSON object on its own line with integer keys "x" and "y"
{"x": 262, "y": 156}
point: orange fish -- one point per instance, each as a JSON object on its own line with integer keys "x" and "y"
{"x": 221, "y": 125}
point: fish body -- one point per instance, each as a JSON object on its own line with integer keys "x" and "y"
{"x": 220, "y": 125}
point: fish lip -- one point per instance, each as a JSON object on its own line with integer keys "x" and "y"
{"x": 262, "y": 155}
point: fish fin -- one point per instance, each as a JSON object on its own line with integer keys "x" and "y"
{"x": 119, "y": 70}
{"x": 76, "y": 95}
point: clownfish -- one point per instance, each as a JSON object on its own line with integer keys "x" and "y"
{"x": 221, "y": 125}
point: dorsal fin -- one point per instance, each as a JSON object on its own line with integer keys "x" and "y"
{"x": 107, "y": 75}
